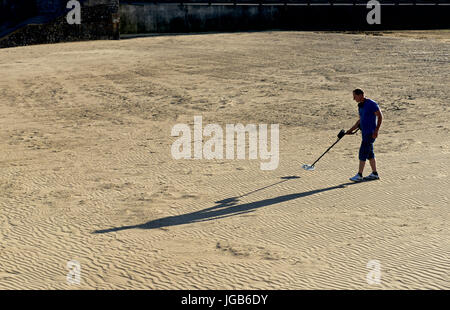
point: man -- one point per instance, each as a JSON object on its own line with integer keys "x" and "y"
{"x": 369, "y": 122}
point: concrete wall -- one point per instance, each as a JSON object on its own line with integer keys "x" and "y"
{"x": 99, "y": 20}
{"x": 157, "y": 18}
{"x": 50, "y": 6}
{"x": 14, "y": 11}
{"x": 141, "y": 17}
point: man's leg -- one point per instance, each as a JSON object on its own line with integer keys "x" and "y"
{"x": 363, "y": 155}
{"x": 362, "y": 164}
{"x": 373, "y": 164}
{"x": 364, "y": 151}
{"x": 358, "y": 177}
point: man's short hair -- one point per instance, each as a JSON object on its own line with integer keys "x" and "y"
{"x": 358, "y": 92}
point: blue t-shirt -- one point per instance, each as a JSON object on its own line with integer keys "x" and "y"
{"x": 368, "y": 119}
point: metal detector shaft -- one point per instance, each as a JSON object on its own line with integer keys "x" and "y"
{"x": 340, "y": 135}
{"x": 326, "y": 151}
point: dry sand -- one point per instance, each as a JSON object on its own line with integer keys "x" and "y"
{"x": 86, "y": 172}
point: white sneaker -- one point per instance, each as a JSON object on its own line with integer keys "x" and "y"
{"x": 356, "y": 178}
{"x": 372, "y": 177}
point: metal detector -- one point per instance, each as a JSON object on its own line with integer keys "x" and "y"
{"x": 340, "y": 135}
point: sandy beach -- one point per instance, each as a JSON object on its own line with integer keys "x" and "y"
{"x": 86, "y": 171}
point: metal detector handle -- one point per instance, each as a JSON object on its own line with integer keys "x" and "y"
{"x": 356, "y": 130}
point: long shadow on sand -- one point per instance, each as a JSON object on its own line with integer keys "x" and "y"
{"x": 224, "y": 208}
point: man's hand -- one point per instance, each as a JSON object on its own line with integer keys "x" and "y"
{"x": 352, "y": 131}
{"x": 375, "y": 134}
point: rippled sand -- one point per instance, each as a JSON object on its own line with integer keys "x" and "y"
{"x": 86, "y": 172}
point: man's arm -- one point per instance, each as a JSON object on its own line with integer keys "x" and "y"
{"x": 350, "y": 131}
{"x": 379, "y": 121}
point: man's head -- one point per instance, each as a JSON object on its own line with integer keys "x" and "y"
{"x": 358, "y": 95}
